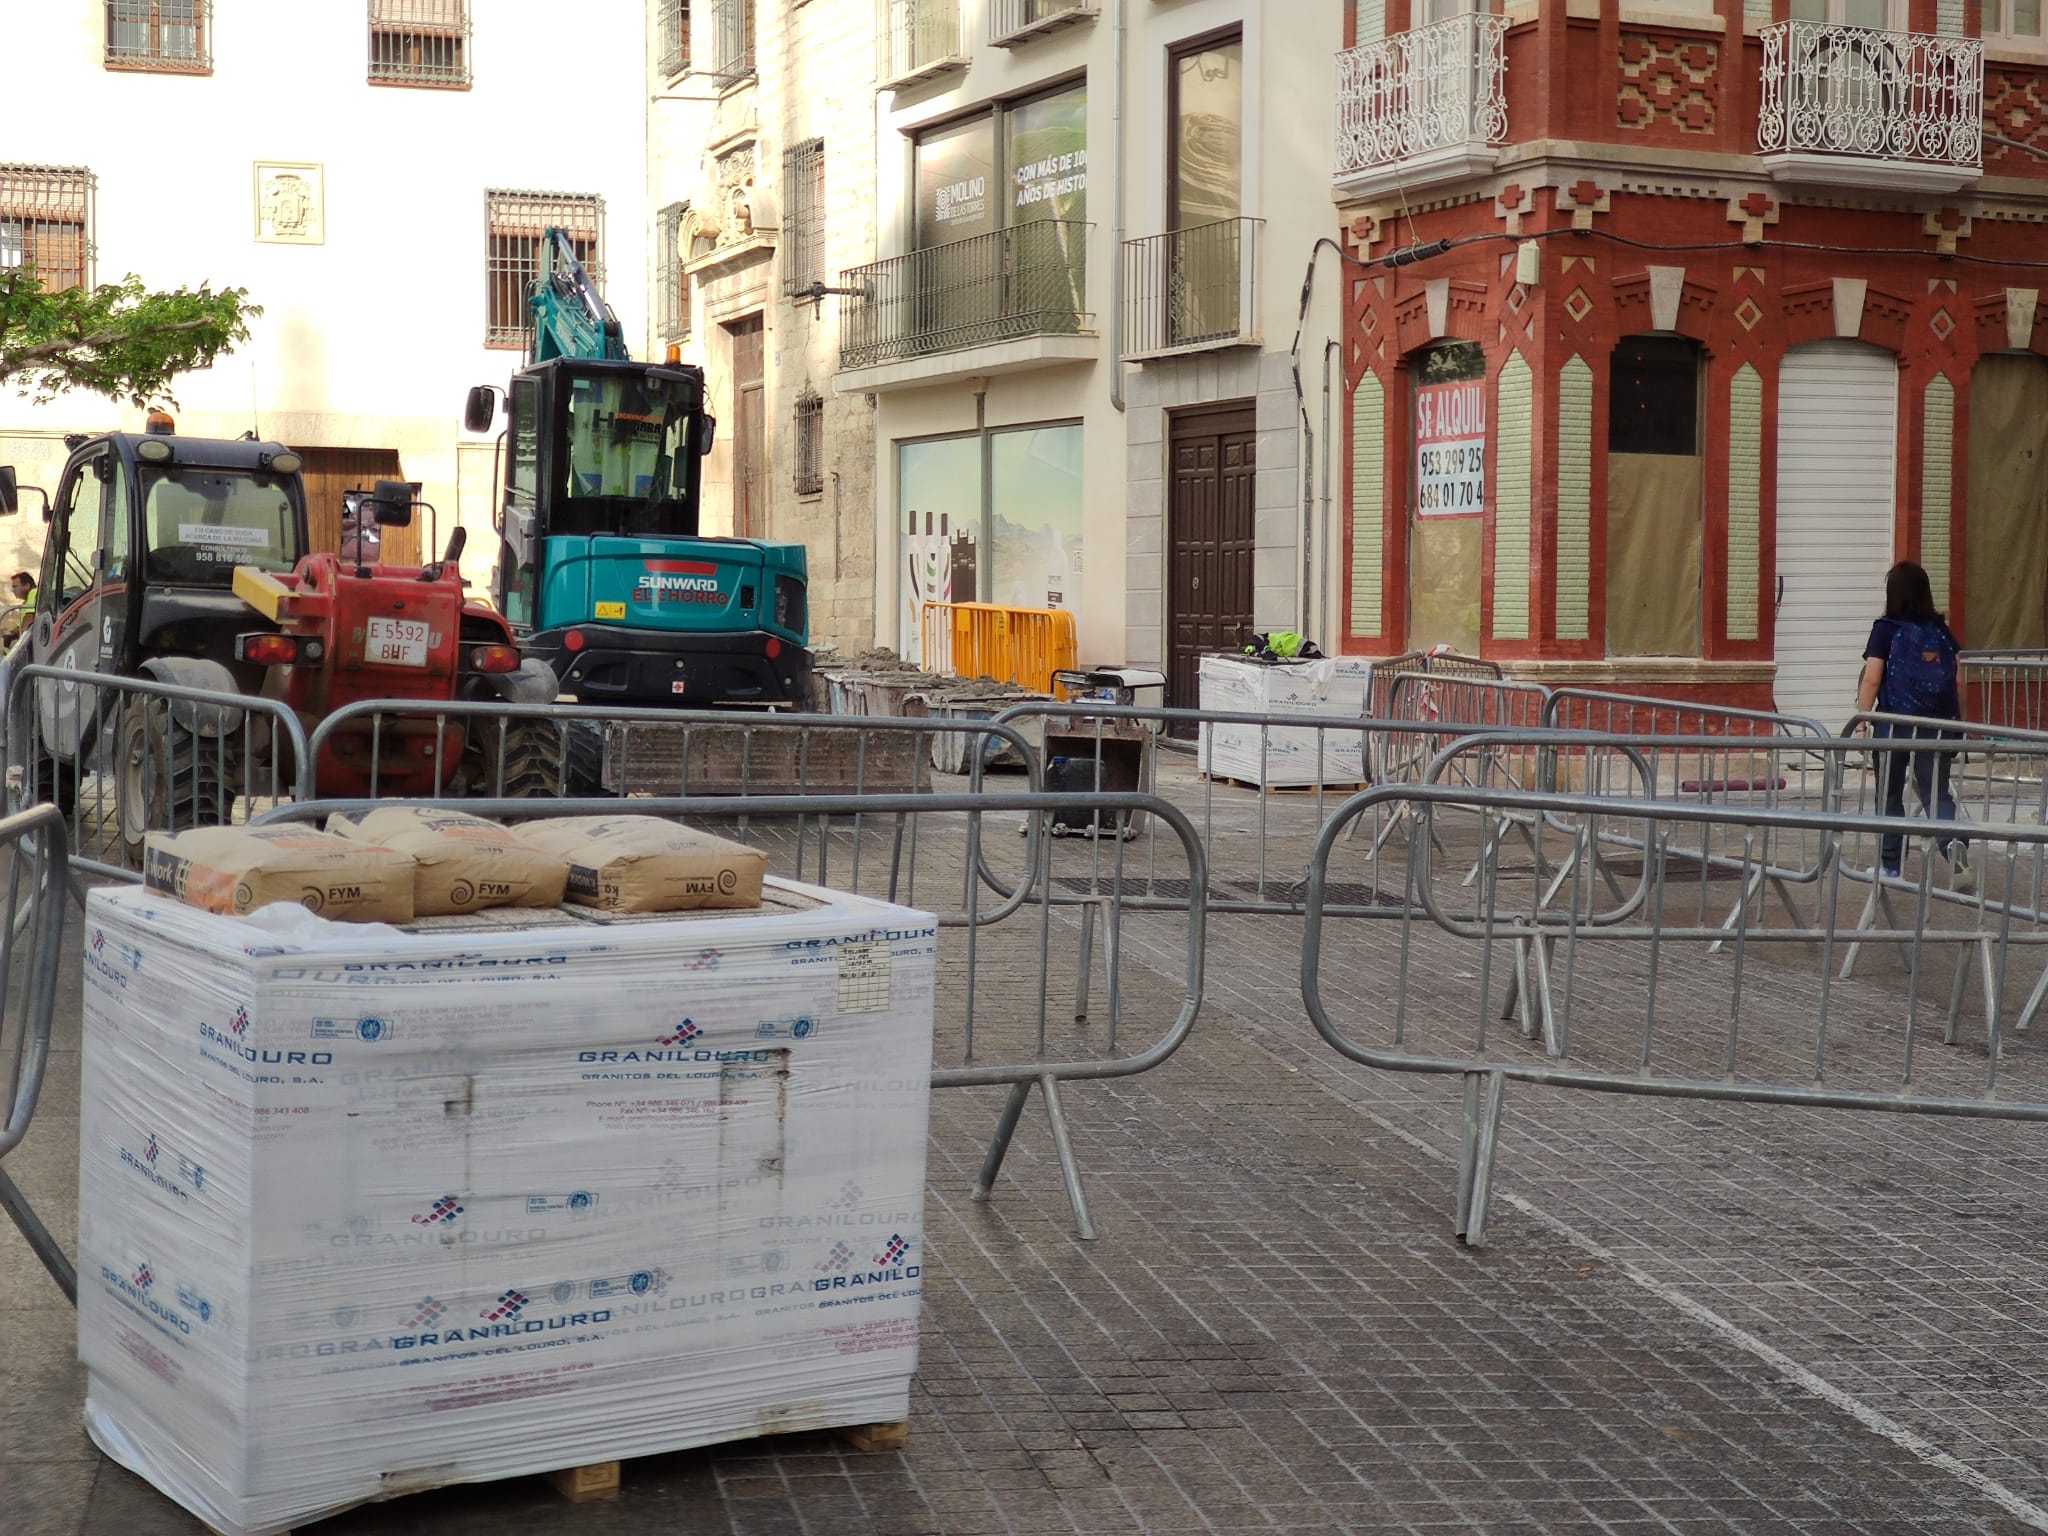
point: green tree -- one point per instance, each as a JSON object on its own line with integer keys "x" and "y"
{"x": 119, "y": 340}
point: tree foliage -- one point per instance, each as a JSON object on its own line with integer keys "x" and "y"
{"x": 119, "y": 340}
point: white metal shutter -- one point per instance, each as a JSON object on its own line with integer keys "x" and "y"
{"x": 1838, "y": 412}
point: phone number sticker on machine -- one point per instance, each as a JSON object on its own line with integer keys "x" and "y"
{"x": 395, "y": 642}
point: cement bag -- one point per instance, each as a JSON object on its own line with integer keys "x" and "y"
{"x": 464, "y": 863}
{"x": 645, "y": 864}
{"x": 235, "y": 870}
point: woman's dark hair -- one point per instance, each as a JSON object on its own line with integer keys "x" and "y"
{"x": 1908, "y": 594}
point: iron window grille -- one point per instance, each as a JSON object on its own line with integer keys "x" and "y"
{"x": 803, "y": 219}
{"x": 675, "y": 37}
{"x": 46, "y": 223}
{"x": 515, "y": 224}
{"x": 174, "y": 35}
{"x": 674, "y": 287}
{"x": 732, "y": 41}
{"x": 419, "y": 42}
{"x": 810, "y": 443}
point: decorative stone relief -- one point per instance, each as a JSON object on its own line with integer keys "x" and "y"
{"x": 290, "y": 203}
{"x": 1668, "y": 82}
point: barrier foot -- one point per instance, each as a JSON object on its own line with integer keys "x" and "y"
{"x": 1750, "y": 888}
{"x": 1478, "y": 1137}
{"x": 16, "y": 1205}
{"x": 2034, "y": 1000}
{"x": 1087, "y": 963}
{"x": 999, "y": 1145}
{"x": 1070, "y": 1171}
{"x": 1539, "y": 956}
{"x": 1863, "y": 923}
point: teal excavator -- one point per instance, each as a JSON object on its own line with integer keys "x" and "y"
{"x": 603, "y": 573}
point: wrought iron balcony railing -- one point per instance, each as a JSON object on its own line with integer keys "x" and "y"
{"x": 1013, "y": 21}
{"x": 1192, "y": 289}
{"x": 1431, "y": 90}
{"x": 1029, "y": 280}
{"x": 1859, "y": 93}
{"x": 920, "y": 39}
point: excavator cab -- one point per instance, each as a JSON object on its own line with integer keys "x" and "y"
{"x": 604, "y": 573}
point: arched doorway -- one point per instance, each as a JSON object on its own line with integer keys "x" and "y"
{"x": 1838, "y": 414}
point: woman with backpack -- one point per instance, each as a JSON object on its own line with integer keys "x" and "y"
{"x": 1909, "y": 668}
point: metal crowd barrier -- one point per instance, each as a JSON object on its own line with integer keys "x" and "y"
{"x": 119, "y": 756}
{"x": 1635, "y": 996}
{"x": 37, "y": 877}
{"x": 2005, "y": 688}
{"x": 1118, "y": 747}
{"x": 1002, "y": 1019}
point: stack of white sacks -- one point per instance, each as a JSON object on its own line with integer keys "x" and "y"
{"x": 364, "y": 1210}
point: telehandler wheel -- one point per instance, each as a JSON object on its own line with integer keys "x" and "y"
{"x": 533, "y": 757}
{"x": 168, "y": 776}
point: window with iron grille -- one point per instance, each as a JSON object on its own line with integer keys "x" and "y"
{"x": 419, "y": 42}
{"x": 810, "y": 443}
{"x": 159, "y": 34}
{"x": 673, "y": 284}
{"x": 675, "y": 36}
{"x": 515, "y": 224}
{"x": 46, "y": 223}
{"x": 803, "y": 216}
{"x": 731, "y": 40}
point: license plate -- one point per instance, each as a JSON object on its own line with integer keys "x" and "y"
{"x": 395, "y": 642}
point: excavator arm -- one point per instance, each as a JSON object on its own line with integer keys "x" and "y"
{"x": 570, "y": 317}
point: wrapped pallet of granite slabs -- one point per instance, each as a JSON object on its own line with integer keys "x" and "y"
{"x": 366, "y": 1210}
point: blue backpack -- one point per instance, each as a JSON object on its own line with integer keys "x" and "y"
{"x": 1920, "y": 671}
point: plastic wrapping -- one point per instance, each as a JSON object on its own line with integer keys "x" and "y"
{"x": 364, "y": 1212}
{"x": 1291, "y": 756}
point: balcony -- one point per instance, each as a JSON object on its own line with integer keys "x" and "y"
{"x": 1858, "y": 106}
{"x": 1193, "y": 290}
{"x": 921, "y": 40}
{"x": 996, "y": 303}
{"x": 1422, "y": 106}
{"x": 1012, "y": 22}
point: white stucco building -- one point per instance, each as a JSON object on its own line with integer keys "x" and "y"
{"x": 365, "y": 170}
{"x": 1092, "y": 222}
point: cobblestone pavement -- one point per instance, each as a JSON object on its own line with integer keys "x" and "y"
{"x": 1691, "y": 1318}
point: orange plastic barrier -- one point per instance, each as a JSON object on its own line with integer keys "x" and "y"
{"x": 1024, "y": 646}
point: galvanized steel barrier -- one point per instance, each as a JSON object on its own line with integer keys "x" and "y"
{"x": 1651, "y": 994}
{"x": 2005, "y": 688}
{"x": 37, "y": 877}
{"x": 1007, "y": 1005}
{"x": 120, "y": 756}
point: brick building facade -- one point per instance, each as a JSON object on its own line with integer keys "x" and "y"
{"x": 1750, "y": 299}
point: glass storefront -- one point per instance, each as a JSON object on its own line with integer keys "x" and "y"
{"x": 992, "y": 518}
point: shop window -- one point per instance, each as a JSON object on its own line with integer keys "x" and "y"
{"x": 1654, "y": 497}
{"x": 990, "y": 517}
{"x": 1449, "y": 404}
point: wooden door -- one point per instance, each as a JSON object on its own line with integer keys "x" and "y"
{"x": 330, "y": 471}
{"x": 750, "y": 433}
{"x": 1211, "y": 533}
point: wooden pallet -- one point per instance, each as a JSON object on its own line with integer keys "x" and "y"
{"x": 601, "y": 1479}
{"x": 1340, "y": 787}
